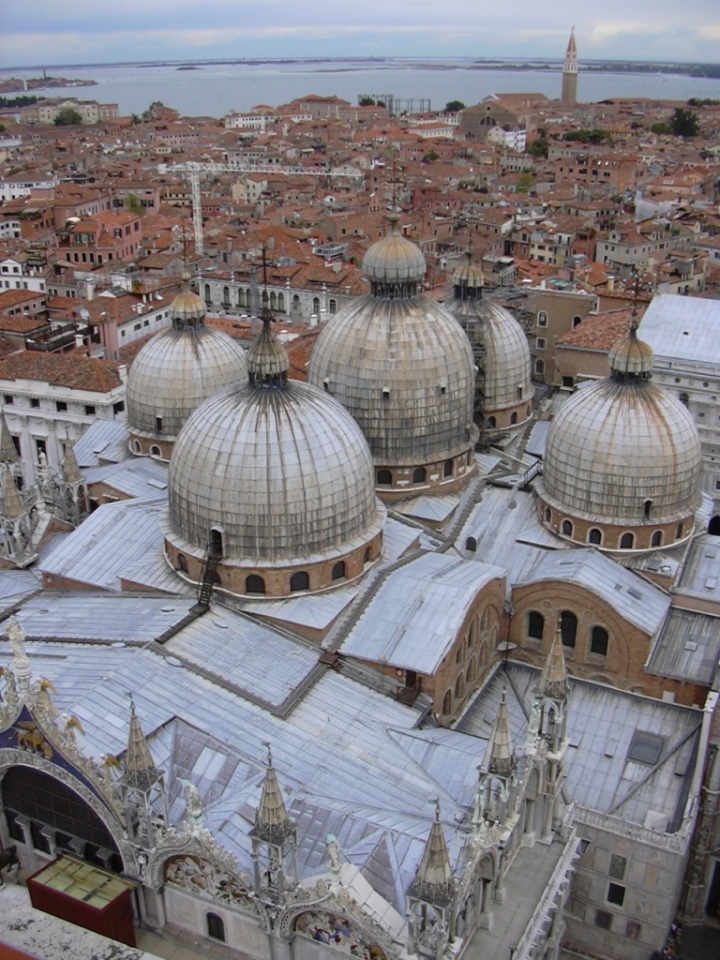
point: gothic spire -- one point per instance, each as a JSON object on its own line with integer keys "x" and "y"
{"x": 500, "y": 754}
{"x": 12, "y": 504}
{"x": 272, "y": 823}
{"x": 140, "y": 771}
{"x": 433, "y": 881}
{"x": 8, "y": 453}
{"x": 71, "y": 470}
{"x": 553, "y": 679}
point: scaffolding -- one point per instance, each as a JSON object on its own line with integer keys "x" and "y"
{"x": 397, "y": 105}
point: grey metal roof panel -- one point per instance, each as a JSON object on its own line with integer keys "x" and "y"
{"x": 103, "y": 439}
{"x": 316, "y": 611}
{"x": 636, "y": 599}
{"x": 687, "y": 648}
{"x": 682, "y": 328}
{"x": 111, "y": 540}
{"x": 413, "y": 619}
{"x": 700, "y": 576}
{"x": 143, "y": 477}
{"x": 601, "y": 722}
{"x": 15, "y": 585}
{"x": 429, "y": 508}
{"x": 246, "y": 653}
{"x": 537, "y": 439}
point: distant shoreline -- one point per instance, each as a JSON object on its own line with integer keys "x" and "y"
{"x": 25, "y": 85}
{"x": 358, "y": 64}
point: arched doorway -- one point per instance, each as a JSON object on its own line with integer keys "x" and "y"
{"x": 714, "y": 526}
{"x": 47, "y": 816}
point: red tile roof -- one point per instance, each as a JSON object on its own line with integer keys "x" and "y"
{"x": 62, "y": 370}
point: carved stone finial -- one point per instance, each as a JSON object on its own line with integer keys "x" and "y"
{"x": 21, "y": 661}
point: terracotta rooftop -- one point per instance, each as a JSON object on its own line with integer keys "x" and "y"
{"x": 75, "y": 373}
{"x": 599, "y": 332}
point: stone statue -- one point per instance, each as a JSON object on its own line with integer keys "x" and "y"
{"x": 21, "y": 661}
{"x": 193, "y": 810}
{"x": 333, "y": 852}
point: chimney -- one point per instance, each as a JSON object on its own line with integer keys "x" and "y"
{"x": 79, "y": 342}
{"x": 122, "y": 372}
{"x": 611, "y": 283}
{"x": 90, "y": 288}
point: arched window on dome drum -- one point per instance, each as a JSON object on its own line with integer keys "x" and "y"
{"x": 215, "y": 927}
{"x": 332, "y": 306}
{"x": 447, "y": 703}
{"x": 182, "y": 563}
{"x": 154, "y": 451}
{"x": 471, "y": 544}
{"x": 459, "y": 687}
{"x": 338, "y": 570}
{"x": 548, "y": 514}
{"x": 419, "y": 475}
{"x": 595, "y": 536}
{"x": 316, "y": 305}
{"x": 567, "y": 528}
{"x": 490, "y": 423}
{"x": 384, "y": 478}
{"x": 448, "y": 468}
{"x": 599, "y": 641}
{"x": 513, "y": 417}
{"x": 367, "y": 557}
{"x": 136, "y": 446}
{"x": 535, "y": 625}
{"x": 647, "y": 507}
{"x": 627, "y": 541}
{"x": 254, "y": 584}
{"x": 299, "y": 581}
{"x": 568, "y": 628}
{"x": 215, "y": 545}
{"x": 679, "y": 531}
{"x": 657, "y": 539}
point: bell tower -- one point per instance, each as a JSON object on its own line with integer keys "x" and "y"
{"x": 570, "y": 72}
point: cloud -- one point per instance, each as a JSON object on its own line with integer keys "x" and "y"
{"x": 602, "y": 32}
{"x": 710, "y": 32}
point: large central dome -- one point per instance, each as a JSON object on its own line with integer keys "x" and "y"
{"x": 279, "y": 476}
{"x": 403, "y": 367}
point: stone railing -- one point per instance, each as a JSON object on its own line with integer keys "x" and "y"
{"x": 673, "y": 842}
{"x": 549, "y": 900}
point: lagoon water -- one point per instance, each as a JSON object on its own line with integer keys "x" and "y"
{"x": 214, "y": 88}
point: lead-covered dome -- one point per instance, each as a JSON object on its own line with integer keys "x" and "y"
{"x": 278, "y": 475}
{"x": 403, "y": 367}
{"x": 622, "y": 453}
{"x": 175, "y": 372}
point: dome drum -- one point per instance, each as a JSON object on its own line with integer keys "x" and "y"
{"x": 617, "y": 536}
{"x": 151, "y": 445}
{"x": 400, "y": 481}
{"x": 273, "y": 580}
{"x": 502, "y": 419}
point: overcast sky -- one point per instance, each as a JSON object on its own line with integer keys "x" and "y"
{"x": 39, "y": 32}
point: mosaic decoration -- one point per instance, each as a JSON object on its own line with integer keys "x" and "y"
{"x": 337, "y": 931}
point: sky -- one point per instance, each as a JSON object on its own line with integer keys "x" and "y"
{"x": 45, "y": 32}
